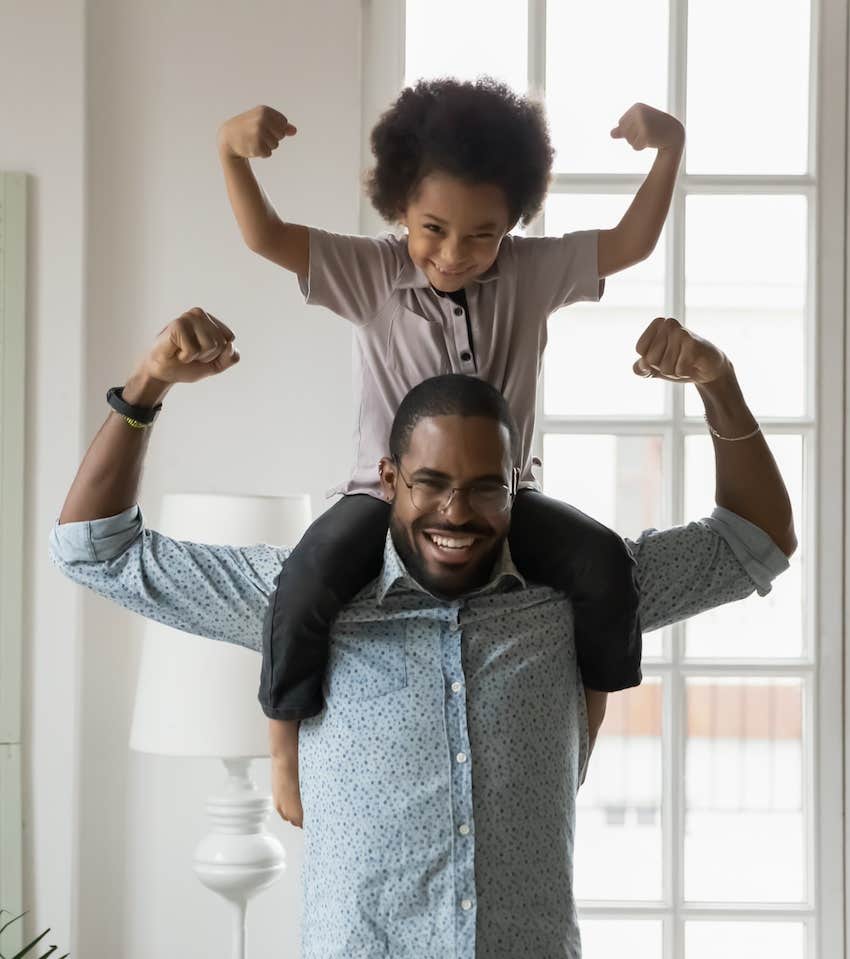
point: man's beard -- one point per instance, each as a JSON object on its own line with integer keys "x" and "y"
{"x": 406, "y": 545}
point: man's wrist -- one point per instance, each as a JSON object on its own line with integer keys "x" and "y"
{"x": 725, "y": 406}
{"x": 142, "y": 389}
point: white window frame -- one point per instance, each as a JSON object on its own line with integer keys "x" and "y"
{"x": 826, "y": 436}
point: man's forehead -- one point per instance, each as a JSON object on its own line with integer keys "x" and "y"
{"x": 452, "y": 443}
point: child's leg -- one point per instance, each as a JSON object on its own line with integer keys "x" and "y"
{"x": 283, "y": 749}
{"x": 338, "y": 555}
{"x": 556, "y": 544}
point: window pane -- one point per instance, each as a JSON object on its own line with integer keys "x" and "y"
{"x": 468, "y": 39}
{"x": 743, "y": 774}
{"x": 756, "y": 627}
{"x": 592, "y": 346}
{"x": 618, "y": 853}
{"x": 745, "y": 290}
{"x": 751, "y": 115}
{"x": 743, "y": 940}
{"x": 606, "y": 938}
{"x": 594, "y": 73}
{"x": 614, "y": 479}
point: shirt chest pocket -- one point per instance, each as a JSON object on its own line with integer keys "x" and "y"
{"x": 416, "y": 347}
{"x": 361, "y": 668}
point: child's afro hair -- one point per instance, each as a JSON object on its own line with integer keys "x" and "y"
{"x": 479, "y": 132}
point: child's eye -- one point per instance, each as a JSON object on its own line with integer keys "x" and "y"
{"x": 433, "y": 228}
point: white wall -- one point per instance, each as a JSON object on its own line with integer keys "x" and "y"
{"x": 161, "y": 77}
{"x": 41, "y": 119}
{"x": 121, "y": 244}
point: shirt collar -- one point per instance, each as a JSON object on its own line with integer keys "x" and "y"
{"x": 394, "y": 573}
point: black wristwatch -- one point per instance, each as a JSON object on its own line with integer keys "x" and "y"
{"x": 139, "y": 416}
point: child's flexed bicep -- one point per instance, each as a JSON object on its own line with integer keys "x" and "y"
{"x": 257, "y": 133}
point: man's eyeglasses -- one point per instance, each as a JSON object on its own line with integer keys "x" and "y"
{"x": 432, "y": 494}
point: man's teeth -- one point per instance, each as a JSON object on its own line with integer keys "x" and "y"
{"x": 452, "y": 542}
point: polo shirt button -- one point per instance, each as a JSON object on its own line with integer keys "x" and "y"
{"x": 463, "y": 829}
{"x": 458, "y": 311}
{"x": 456, "y": 687}
{"x": 466, "y": 904}
{"x": 461, "y": 757}
{"x": 466, "y": 357}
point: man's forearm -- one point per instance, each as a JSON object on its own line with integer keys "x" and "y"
{"x": 107, "y": 481}
{"x": 747, "y": 480}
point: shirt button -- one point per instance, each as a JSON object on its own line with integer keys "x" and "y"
{"x": 465, "y": 356}
{"x": 458, "y": 311}
{"x": 461, "y": 757}
{"x": 456, "y": 687}
{"x": 463, "y": 829}
{"x": 466, "y": 904}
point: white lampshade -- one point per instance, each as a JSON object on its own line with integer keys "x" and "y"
{"x": 194, "y": 696}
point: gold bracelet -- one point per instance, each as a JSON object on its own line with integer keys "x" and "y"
{"x": 729, "y": 439}
{"x": 135, "y": 423}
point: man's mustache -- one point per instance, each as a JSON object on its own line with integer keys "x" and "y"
{"x": 443, "y": 527}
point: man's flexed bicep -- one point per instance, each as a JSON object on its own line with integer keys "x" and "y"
{"x": 688, "y": 569}
{"x": 220, "y": 592}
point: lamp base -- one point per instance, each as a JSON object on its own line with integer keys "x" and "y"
{"x": 238, "y": 857}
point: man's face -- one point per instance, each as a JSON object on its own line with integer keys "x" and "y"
{"x": 450, "y": 551}
{"x": 455, "y": 229}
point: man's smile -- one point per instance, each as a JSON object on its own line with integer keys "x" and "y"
{"x": 449, "y": 547}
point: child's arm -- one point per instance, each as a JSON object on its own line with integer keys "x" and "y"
{"x": 635, "y": 236}
{"x": 596, "y": 703}
{"x": 256, "y": 133}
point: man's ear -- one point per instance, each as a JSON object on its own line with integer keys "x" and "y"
{"x": 389, "y": 477}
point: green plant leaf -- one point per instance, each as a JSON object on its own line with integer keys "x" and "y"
{"x": 9, "y": 923}
{"x": 32, "y": 945}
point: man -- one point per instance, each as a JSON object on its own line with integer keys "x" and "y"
{"x": 439, "y": 783}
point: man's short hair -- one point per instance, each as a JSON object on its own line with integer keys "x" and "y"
{"x": 453, "y": 394}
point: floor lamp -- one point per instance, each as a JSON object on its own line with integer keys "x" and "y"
{"x": 197, "y": 697}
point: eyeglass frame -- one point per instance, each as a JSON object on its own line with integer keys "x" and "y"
{"x": 512, "y": 491}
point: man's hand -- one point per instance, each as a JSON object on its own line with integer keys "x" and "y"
{"x": 670, "y": 352}
{"x": 190, "y": 348}
{"x": 255, "y": 133}
{"x": 643, "y": 126}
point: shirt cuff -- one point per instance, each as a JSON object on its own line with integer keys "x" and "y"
{"x": 96, "y": 540}
{"x": 753, "y": 548}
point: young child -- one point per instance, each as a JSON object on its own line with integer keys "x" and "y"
{"x": 458, "y": 165}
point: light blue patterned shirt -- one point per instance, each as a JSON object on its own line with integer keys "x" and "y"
{"x": 439, "y": 783}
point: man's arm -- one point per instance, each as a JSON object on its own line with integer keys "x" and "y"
{"x": 190, "y": 348}
{"x": 257, "y": 133}
{"x": 747, "y": 480}
{"x": 635, "y": 236}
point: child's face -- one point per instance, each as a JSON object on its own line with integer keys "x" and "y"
{"x": 454, "y": 229}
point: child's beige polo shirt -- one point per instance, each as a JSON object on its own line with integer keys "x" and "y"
{"x": 405, "y": 332}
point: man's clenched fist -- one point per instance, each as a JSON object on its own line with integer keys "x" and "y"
{"x": 668, "y": 351}
{"x": 190, "y": 348}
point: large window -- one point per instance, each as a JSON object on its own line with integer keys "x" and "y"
{"x": 709, "y": 823}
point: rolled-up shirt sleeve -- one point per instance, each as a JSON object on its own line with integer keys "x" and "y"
{"x": 688, "y": 569}
{"x": 219, "y": 592}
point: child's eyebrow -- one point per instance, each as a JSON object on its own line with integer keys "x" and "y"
{"x": 489, "y": 225}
